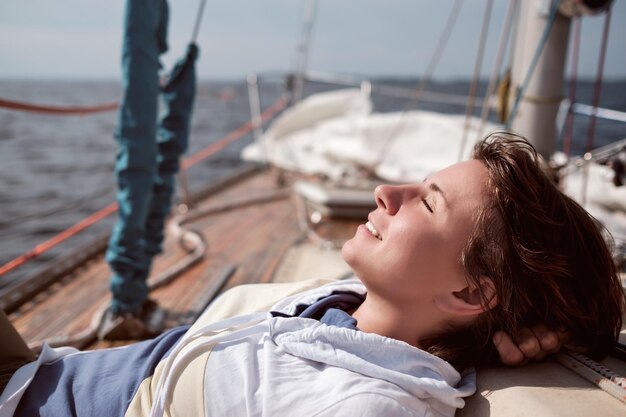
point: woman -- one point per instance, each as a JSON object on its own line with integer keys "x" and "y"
{"x": 483, "y": 247}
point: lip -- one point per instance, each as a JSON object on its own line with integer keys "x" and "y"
{"x": 373, "y": 224}
{"x": 363, "y": 230}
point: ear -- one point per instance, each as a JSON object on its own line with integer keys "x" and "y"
{"x": 468, "y": 301}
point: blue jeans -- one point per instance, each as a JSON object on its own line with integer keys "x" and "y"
{"x": 146, "y": 163}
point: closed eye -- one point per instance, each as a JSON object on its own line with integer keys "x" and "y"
{"x": 428, "y": 207}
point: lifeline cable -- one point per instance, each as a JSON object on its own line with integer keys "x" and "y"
{"x": 56, "y": 110}
{"x": 112, "y": 208}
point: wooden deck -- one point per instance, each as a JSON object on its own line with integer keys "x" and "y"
{"x": 252, "y": 239}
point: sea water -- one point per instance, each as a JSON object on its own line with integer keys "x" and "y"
{"x": 57, "y": 170}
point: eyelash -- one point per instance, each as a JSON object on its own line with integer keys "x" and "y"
{"x": 428, "y": 207}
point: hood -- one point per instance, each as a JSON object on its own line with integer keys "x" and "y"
{"x": 288, "y": 305}
{"x": 414, "y": 370}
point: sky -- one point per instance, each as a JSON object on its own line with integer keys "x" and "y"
{"x": 81, "y": 39}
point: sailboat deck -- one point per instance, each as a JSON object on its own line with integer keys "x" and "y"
{"x": 248, "y": 240}
{"x": 254, "y": 239}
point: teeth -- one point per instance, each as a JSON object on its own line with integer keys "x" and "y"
{"x": 373, "y": 230}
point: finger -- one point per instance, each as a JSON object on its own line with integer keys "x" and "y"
{"x": 548, "y": 338}
{"x": 508, "y": 351}
{"x": 528, "y": 343}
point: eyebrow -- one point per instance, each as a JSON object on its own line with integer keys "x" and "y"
{"x": 433, "y": 186}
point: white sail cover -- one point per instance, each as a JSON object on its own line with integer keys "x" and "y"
{"x": 335, "y": 134}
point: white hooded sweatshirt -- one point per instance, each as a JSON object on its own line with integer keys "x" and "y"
{"x": 260, "y": 365}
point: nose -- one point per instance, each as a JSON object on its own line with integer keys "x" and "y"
{"x": 389, "y": 197}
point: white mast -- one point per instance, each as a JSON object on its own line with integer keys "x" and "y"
{"x": 539, "y": 104}
{"x": 535, "y": 116}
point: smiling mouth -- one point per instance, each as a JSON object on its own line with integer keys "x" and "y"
{"x": 370, "y": 227}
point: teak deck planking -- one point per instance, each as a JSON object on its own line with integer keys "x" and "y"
{"x": 253, "y": 239}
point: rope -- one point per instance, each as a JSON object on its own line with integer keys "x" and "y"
{"x": 504, "y": 38}
{"x": 421, "y": 86}
{"x": 200, "y": 213}
{"x": 112, "y": 208}
{"x": 554, "y": 7}
{"x": 234, "y": 135}
{"x": 311, "y": 234}
{"x": 56, "y": 110}
{"x": 477, "y": 65}
{"x": 83, "y": 338}
{"x": 569, "y": 123}
{"x": 56, "y": 240}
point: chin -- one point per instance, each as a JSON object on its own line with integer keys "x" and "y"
{"x": 350, "y": 253}
{"x": 346, "y": 251}
{"x": 352, "y": 256}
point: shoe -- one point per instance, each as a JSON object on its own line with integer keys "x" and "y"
{"x": 148, "y": 322}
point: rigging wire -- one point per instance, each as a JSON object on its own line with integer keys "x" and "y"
{"x": 569, "y": 123}
{"x": 421, "y": 85}
{"x": 304, "y": 47}
{"x": 196, "y": 27}
{"x": 297, "y": 35}
{"x": 595, "y": 102}
{"x": 599, "y": 78}
{"x": 507, "y": 29}
{"x": 554, "y": 7}
{"x": 469, "y": 111}
{"x": 112, "y": 208}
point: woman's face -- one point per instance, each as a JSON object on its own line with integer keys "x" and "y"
{"x": 410, "y": 248}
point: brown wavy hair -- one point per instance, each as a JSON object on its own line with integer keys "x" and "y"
{"x": 547, "y": 257}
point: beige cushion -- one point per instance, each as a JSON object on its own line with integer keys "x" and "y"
{"x": 541, "y": 389}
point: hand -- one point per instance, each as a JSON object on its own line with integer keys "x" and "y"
{"x": 533, "y": 343}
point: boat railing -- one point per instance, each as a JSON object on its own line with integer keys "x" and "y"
{"x": 344, "y": 80}
{"x": 388, "y": 90}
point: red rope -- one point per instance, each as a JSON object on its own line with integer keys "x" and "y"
{"x": 233, "y": 136}
{"x": 58, "y": 110}
{"x": 569, "y": 125}
{"x": 112, "y": 208}
{"x": 598, "y": 86}
{"x": 56, "y": 240}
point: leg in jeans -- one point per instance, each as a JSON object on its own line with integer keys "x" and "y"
{"x": 173, "y": 136}
{"x": 136, "y": 164}
{"x": 14, "y": 352}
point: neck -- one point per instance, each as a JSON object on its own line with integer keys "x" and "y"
{"x": 382, "y": 317}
